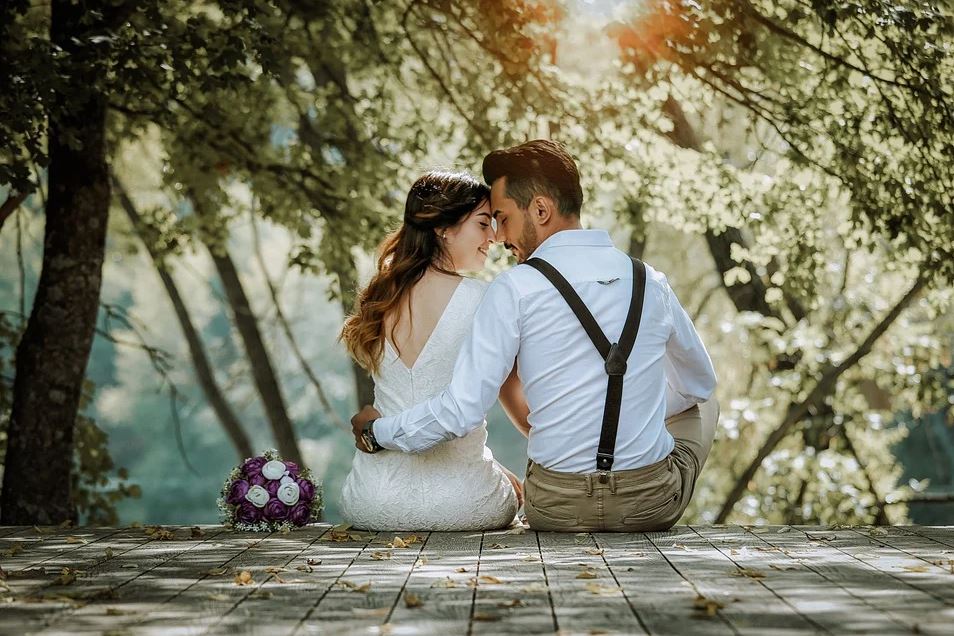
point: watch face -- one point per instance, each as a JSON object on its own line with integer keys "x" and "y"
{"x": 368, "y": 444}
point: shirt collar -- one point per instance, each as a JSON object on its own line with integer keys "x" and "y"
{"x": 575, "y": 238}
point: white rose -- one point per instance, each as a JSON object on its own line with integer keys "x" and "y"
{"x": 273, "y": 469}
{"x": 287, "y": 479}
{"x": 288, "y": 493}
{"x": 258, "y": 496}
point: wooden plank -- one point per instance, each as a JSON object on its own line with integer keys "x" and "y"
{"x": 941, "y": 534}
{"x": 910, "y": 608}
{"x": 169, "y": 594}
{"x": 115, "y": 578}
{"x": 27, "y": 548}
{"x": 745, "y": 603}
{"x": 821, "y": 602}
{"x": 437, "y": 598}
{"x": 367, "y": 591}
{"x": 932, "y": 579}
{"x": 657, "y": 593}
{"x": 584, "y": 604}
{"x": 512, "y": 593}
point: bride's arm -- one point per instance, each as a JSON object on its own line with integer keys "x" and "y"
{"x": 514, "y": 403}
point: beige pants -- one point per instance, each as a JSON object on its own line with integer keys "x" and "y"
{"x": 640, "y": 500}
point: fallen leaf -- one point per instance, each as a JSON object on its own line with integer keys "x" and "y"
{"x": 821, "y": 537}
{"x": 707, "y": 605}
{"x": 354, "y": 587}
{"x": 66, "y": 577}
{"x": 421, "y": 561}
{"x": 490, "y": 580}
{"x": 313, "y": 561}
{"x": 243, "y": 578}
{"x": 749, "y": 572}
{"x": 581, "y": 537}
{"x": 197, "y": 532}
{"x": 13, "y": 550}
{"x": 517, "y": 530}
{"x": 783, "y": 530}
{"x": 375, "y": 612}
{"x": 782, "y": 567}
{"x": 594, "y": 551}
{"x": 304, "y": 568}
{"x": 67, "y": 524}
{"x": 484, "y": 617}
{"x": 533, "y": 588}
{"x": 586, "y": 574}
{"x": 412, "y": 600}
{"x": 497, "y": 546}
{"x": 531, "y": 557}
{"x": 72, "y": 539}
{"x": 217, "y": 571}
{"x": 512, "y": 603}
{"x": 681, "y": 547}
{"x": 460, "y": 570}
{"x": 380, "y": 556}
{"x": 915, "y": 568}
{"x": 601, "y": 590}
{"x": 398, "y": 542}
{"x": 446, "y": 582}
{"x": 108, "y": 552}
{"x": 131, "y": 566}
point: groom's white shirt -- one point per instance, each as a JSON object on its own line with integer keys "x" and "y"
{"x": 523, "y": 317}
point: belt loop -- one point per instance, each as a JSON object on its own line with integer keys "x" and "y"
{"x": 589, "y": 485}
{"x": 612, "y": 477}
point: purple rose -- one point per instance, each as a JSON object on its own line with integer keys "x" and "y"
{"x": 272, "y": 487}
{"x": 237, "y": 491}
{"x": 276, "y": 510}
{"x": 293, "y": 469}
{"x": 306, "y": 489}
{"x": 258, "y": 479}
{"x": 248, "y": 513}
{"x": 253, "y": 466}
{"x": 300, "y": 513}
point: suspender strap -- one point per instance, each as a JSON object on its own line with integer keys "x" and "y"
{"x": 614, "y": 355}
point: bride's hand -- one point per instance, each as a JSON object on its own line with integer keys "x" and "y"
{"x": 516, "y": 483}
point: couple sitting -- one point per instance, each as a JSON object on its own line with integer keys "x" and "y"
{"x": 589, "y": 352}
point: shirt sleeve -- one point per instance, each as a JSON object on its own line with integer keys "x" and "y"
{"x": 484, "y": 362}
{"x": 690, "y": 377}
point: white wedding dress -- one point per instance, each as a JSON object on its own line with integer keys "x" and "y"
{"x": 455, "y": 485}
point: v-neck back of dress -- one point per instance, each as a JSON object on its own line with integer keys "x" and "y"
{"x": 430, "y": 337}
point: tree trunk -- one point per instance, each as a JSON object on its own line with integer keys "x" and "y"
{"x": 52, "y": 355}
{"x": 348, "y": 286}
{"x": 263, "y": 372}
{"x": 203, "y": 369}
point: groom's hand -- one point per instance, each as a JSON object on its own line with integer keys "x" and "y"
{"x": 365, "y": 415}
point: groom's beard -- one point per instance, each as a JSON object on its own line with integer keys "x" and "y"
{"x": 528, "y": 241}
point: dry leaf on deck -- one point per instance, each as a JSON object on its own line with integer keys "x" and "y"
{"x": 484, "y": 617}
{"x": 243, "y": 578}
{"x": 304, "y": 568}
{"x": 217, "y": 571}
{"x": 533, "y": 588}
{"x": 381, "y": 556}
{"x": 108, "y": 552}
{"x": 497, "y": 546}
{"x": 681, "y": 547}
{"x": 782, "y": 567}
{"x": 490, "y": 580}
{"x": 398, "y": 542}
{"x": 601, "y": 590}
{"x": 460, "y": 570}
{"x": 72, "y": 539}
{"x": 412, "y": 600}
{"x": 516, "y": 530}
{"x": 594, "y": 551}
{"x": 197, "y": 532}
{"x": 530, "y": 557}
{"x": 446, "y": 582}
{"x": 512, "y": 603}
{"x": 586, "y": 574}
{"x": 313, "y": 561}
{"x": 67, "y": 576}
{"x": 749, "y": 573}
{"x": 354, "y": 587}
{"x": 915, "y": 568}
{"x": 707, "y": 605}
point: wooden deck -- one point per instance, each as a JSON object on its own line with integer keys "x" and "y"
{"x": 323, "y": 580}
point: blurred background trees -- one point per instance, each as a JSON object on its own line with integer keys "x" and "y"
{"x": 787, "y": 164}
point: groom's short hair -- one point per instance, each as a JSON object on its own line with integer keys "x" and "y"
{"x": 537, "y": 167}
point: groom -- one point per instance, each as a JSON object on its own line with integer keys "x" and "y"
{"x": 612, "y": 367}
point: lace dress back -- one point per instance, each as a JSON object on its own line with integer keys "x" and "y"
{"x": 456, "y": 485}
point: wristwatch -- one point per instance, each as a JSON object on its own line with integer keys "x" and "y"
{"x": 367, "y": 436}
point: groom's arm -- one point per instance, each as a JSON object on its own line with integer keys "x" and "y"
{"x": 690, "y": 377}
{"x": 484, "y": 362}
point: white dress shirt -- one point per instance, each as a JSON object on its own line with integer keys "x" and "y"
{"x": 523, "y": 317}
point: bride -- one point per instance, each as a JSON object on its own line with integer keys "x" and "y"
{"x": 407, "y": 329}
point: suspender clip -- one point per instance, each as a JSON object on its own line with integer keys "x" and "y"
{"x": 615, "y": 361}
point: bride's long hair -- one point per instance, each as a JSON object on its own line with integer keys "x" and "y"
{"x": 437, "y": 200}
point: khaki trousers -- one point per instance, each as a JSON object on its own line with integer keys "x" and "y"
{"x": 644, "y": 499}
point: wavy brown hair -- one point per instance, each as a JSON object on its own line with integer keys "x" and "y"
{"x": 436, "y": 201}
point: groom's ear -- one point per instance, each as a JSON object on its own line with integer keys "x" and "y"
{"x": 542, "y": 209}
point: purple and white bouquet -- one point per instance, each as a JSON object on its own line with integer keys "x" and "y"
{"x": 266, "y": 494}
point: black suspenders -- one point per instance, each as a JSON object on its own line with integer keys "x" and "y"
{"x": 615, "y": 355}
